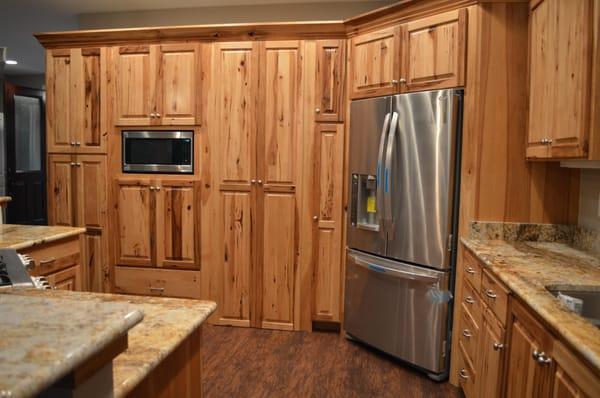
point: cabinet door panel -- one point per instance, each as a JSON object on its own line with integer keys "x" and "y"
{"x": 375, "y": 63}
{"x": 89, "y": 133}
{"x": 61, "y": 208}
{"x": 91, "y": 190}
{"x": 434, "y": 52}
{"x": 178, "y": 86}
{"x": 67, "y": 279}
{"x": 329, "y": 93}
{"x": 135, "y": 80}
{"x": 279, "y": 260}
{"x": 177, "y": 221}
{"x": 237, "y": 255}
{"x": 282, "y": 111}
{"x": 95, "y": 276}
{"x": 136, "y": 222}
{"x": 58, "y": 96}
{"x": 491, "y": 357}
{"x": 329, "y": 149}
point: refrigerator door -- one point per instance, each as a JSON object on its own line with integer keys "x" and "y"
{"x": 398, "y": 308}
{"x": 421, "y": 159}
{"x": 371, "y": 119}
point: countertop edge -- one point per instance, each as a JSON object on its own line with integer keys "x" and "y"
{"x": 49, "y": 239}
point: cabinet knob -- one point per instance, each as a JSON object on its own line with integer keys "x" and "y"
{"x": 72, "y": 164}
{"x": 153, "y": 115}
{"x": 498, "y": 346}
{"x": 315, "y": 218}
{"x": 541, "y": 358}
{"x": 403, "y": 80}
{"x": 157, "y": 188}
{"x": 394, "y": 82}
{"x": 77, "y": 143}
{"x": 78, "y": 164}
{"x": 549, "y": 141}
{"x": 259, "y": 182}
{"x": 157, "y": 114}
{"x": 318, "y": 110}
{"x": 152, "y": 188}
{"x": 252, "y": 181}
{"x": 72, "y": 143}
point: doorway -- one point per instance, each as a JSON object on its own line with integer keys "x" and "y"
{"x": 25, "y": 155}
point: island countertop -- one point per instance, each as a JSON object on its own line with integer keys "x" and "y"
{"x": 167, "y": 322}
{"x": 528, "y": 267}
{"x": 19, "y": 237}
{"x": 45, "y": 337}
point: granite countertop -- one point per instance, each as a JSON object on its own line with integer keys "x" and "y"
{"x": 44, "y": 338}
{"x": 527, "y": 267}
{"x": 167, "y": 321}
{"x": 13, "y": 236}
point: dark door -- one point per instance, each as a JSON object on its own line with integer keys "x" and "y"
{"x": 25, "y": 155}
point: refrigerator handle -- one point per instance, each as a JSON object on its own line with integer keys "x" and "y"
{"x": 380, "y": 160}
{"x": 397, "y": 273}
{"x": 388, "y": 178}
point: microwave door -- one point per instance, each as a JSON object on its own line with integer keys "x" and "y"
{"x": 422, "y": 153}
{"x": 370, "y": 121}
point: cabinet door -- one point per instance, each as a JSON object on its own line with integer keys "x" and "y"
{"x": 91, "y": 190}
{"x": 177, "y": 221}
{"x": 329, "y": 94}
{"x": 136, "y": 222}
{"x": 572, "y": 378}
{"x": 434, "y": 52}
{"x": 95, "y": 269}
{"x": 178, "y": 85}
{"x": 61, "y": 208}
{"x": 560, "y": 80}
{"x": 491, "y": 357}
{"x": 329, "y": 175}
{"x": 232, "y": 268}
{"x": 279, "y": 152}
{"x": 67, "y": 279}
{"x": 58, "y": 100}
{"x": 135, "y": 85}
{"x": 375, "y": 63}
{"x": 526, "y": 376}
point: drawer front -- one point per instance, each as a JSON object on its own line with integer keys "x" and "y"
{"x": 469, "y": 335}
{"x": 157, "y": 282}
{"x": 66, "y": 279}
{"x": 54, "y": 256}
{"x": 466, "y": 375}
{"x": 495, "y": 295}
{"x": 471, "y": 269}
{"x": 472, "y": 303}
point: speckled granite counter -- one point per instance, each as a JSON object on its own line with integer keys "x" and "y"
{"x": 46, "y": 337}
{"x": 166, "y": 323}
{"x": 13, "y": 236}
{"x": 527, "y": 267}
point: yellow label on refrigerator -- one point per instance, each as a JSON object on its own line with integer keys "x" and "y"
{"x": 371, "y": 206}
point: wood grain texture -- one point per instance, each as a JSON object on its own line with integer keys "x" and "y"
{"x": 330, "y": 76}
{"x": 58, "y": 101}
{"x": 572, "y": 378}
{"x": 94, "y": 262}
{"x": 157, "y": 282}
{"x": 91, "y": 186}
{"x": 136, "y": 222}
{"x": 61, "y": 210}
{"x": 305, "y": 365}
{"x": 66, "y": 279}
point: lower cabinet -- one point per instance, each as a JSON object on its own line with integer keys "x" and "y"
{"x": 59, "y": 262}
{"x": 157, "y": 282}
{"x": 67, "y": 279}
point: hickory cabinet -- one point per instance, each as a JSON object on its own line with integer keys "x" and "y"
{"x": 330, "y": 78}
{"x": 76, "y": 100}
{"x": 59, "y": 262}
{"x": 157, "y": 223}
{"x": 424, "y": 54}
{"x": 156, "y": 84}
{"x": 564, "y": 119}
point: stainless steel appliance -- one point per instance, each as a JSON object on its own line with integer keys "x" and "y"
{"x": 404, "y": 173}
{"x": 158, "y": 151}
{"x": 14, "y": 269}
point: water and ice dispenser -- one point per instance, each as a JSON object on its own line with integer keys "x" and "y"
{"x": 363, "y": 211}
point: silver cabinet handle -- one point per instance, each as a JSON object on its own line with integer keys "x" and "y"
{"x": 260, "y": 182}
{"x": 78, "y": 164}
{"x": 72, "y": 164}
{"x": 549, "y": 141}
{"x": 318, "y": 110}
{"x": 498, "y": 346}
{"x": 156, "y": 289}
{"x": 394, "y": 82}
{"x": 467, "y": 333}
{"x": 157, "y": 188}
{"x": 463, "y": 374}
{"x": 469, "y": 300}
{"x": 77, "y": 143}
{"x": 151, "y": 114}
{"x": 157, "y": 114}
{"x": 541, "y": 358}
{"x": 47, "y": 261}
{"x": 403, "y": 80}
{"x": 491, "y": 294}
{"x": 152, "y": 188}
{"x": 315, "y": 218}
{"x": 72, "y": 143}
{"x": 470, "y": 270}
{"x": 252, "y": 181}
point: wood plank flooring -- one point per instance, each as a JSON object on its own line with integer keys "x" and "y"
{"x": 240, "y": 362}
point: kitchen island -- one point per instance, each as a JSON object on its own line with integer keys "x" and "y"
{"x": 162, "y": 358}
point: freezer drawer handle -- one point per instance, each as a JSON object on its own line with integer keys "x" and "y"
{"x": 392, "y": 272}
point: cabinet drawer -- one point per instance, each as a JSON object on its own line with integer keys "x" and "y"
{"x": 157, "y": 282}
{"x": 66, "y": 279}
{"x": 471, "y": 302}
{"x": 471, "y": 269}
{"x": 466, "y": 375}
{"x": 469, "y": 335}
{"x": 495, "y": 295}
{"x": 54, "y": 256}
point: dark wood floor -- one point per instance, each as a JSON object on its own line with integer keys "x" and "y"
{"x": 242, "y": 362}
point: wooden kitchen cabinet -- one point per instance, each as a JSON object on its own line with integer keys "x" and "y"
{"x": 59, "y": 262}
{"x": 560, "y": 82}
{"x": 67, "y": 279}
{"x": 375, "y": 63}
{"x": 327, "y": 241}
{"x": 76, "y": 104}
{"x": 156, "y": 84}
{"x": 329, "y": 90}
{"x": 572, "y": 379}
{"x": 434, "y": 52}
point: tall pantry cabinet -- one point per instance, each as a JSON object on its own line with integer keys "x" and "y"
{"x": 76, "y": 137}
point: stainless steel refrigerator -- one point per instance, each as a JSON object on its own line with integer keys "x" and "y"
{"x": 403, "y": 179}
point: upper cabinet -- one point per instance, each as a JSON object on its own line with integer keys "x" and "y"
{"x": 76, "y": 100}
{"x": 156, "y": 84}
{"x": 561, "y": 85}
{"x": 329, "y": 94}
{"x": 375, "y": 63}
{"x": 433, "y": 54}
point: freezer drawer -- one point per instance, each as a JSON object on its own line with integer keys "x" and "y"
{"x": 398, "y": 308}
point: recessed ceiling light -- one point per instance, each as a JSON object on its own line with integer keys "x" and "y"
{"x": 11, "y": 62}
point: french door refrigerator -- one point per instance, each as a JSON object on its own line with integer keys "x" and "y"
{"x": 404, "y": 163}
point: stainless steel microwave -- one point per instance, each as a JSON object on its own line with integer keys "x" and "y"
{"x": 159, "y": 151}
